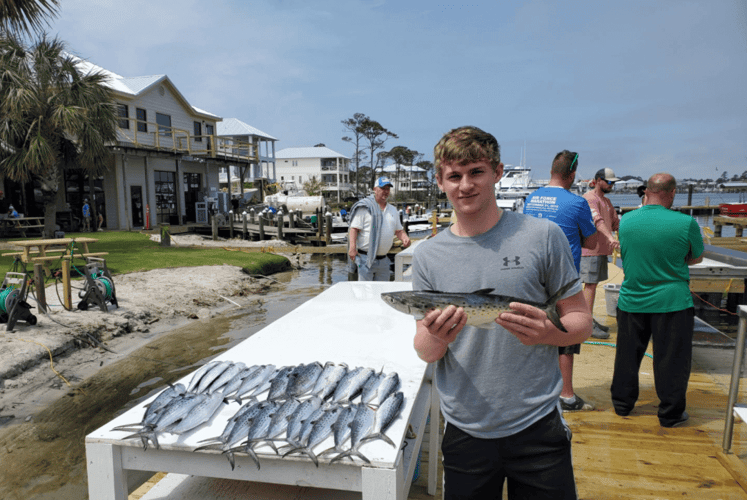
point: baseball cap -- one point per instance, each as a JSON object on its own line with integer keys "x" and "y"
{"x": 383, "y": 181}
{"x": 607, "y": 174}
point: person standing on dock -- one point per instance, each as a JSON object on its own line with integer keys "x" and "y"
{"x": 657, "y": 246}
{"x": 594, "y": 260}
{"x": 86, "y": 216}
{"x": 499, "y": 389}
{"x": 572, "y": 213}
{"x": 374, "y": 223}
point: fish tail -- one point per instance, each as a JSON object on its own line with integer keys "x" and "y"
{"x": 379, "y": 435}
{"x": 551, "y": 310}
{"x": 212, "y": 446}
{"x": 329, "y": 450}
{"x": 341, "y": 456}
{"x": 252, "y": 455}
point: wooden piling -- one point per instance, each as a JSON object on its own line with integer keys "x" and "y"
{"x": 41, "y": 296}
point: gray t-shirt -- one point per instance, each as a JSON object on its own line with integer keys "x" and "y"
{"x": 490, "y": 384}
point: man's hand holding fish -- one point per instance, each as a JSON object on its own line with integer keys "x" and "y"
{"x": 437, "y": 330}
{"x": 532, "y": 326}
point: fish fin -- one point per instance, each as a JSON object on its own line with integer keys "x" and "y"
{"x": 551, "y": 309}
{"x": 484, "y": 291}
{"x": 552, "y": 315}
{"x": 341, "y": 456}
{"x": 211, "y": 446}
{"x": 252, "y": 455}
{"x": 488, "y": 325}
{"x": 379, "y": 435}
{"x": 328, "y": 450}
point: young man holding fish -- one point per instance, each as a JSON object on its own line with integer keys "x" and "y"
{"x": 499, "y": 387}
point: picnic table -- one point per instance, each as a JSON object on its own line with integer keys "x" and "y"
{"x": 21, "y": 225}
{"x": 43, "y": 251}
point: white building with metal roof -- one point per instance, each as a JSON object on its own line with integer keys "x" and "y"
{"x": 298, "y": 165}
{"x": 167, "y": 158}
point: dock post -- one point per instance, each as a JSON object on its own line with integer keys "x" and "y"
{"x": 215, "y": 227}
{"x": 736, "y": 370}
{"x": 738, "y": 231}
{"x": 281, "y": 222}
{"x": 319, "y": 224}
{"x": 251, "y": 216}
{"x": 230, "y": 228}
{"x": 67, "y": 296}
{"x": 261, "y": 228}
{"x": 328, "y": 224}
{"x": 291, "y": 220}
{"x": 41, "y": 297}
{"x": 243, "y": 224}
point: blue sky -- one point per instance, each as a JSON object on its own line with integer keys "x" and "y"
{"x": 638, "y": 86}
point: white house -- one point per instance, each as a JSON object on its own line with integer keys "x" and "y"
{"x": 410, "y": 180}
{"x": 233, "y": 129}
{"x": 166, "y": 159}
{"x": 299, "y": 165}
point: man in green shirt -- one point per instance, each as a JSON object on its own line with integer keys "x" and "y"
{"x": 657, "y": 246}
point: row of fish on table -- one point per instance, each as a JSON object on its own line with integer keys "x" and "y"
{"x": 299, "y": 405}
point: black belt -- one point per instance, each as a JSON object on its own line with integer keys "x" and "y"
{"x": 379, "y": 257}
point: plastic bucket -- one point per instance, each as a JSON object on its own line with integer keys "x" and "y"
{"x": 611, "y": 294}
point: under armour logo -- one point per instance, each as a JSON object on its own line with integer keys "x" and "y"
{"x": 506, "y": 260}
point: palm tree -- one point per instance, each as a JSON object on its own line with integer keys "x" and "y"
{"x": 26, "y": 15}
{"x": 51, "y": 117}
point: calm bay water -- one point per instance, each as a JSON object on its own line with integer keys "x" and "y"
{"x": 680, "y": 200}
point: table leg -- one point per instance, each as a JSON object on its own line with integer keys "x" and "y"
{"x": 107, "y": 480}
{"x": 434, "y": 430}
{"x": 382, "y": 484}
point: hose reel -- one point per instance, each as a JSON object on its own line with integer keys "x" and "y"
{"x": 99, "y": 288}
{"x": 13, "y": 305}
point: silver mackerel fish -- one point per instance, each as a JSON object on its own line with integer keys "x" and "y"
{"x": 481, "y": 306}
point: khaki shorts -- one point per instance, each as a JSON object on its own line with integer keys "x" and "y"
{"x": 570, "y": 349}
{"x": 593, "y": 269}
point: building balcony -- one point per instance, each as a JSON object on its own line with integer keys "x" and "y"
{"x": 149, "y": 135}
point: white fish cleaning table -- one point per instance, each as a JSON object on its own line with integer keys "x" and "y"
{"x": 348, "y": 323}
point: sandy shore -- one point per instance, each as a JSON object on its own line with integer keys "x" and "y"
{"x": 150, "y": 304}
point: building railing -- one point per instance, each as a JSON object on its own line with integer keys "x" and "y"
{"x": 160, "y": 137}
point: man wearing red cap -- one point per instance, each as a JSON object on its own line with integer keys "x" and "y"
{"x": 594, "y": 260}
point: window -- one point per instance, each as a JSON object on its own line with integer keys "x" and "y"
{"x": 164, "y": 124}
{"x": 165, "y": 184}
{"x": 124, "y": 114}
{"x": 142, "y": 119}
{"x": 209, "y": 131}
{"x": 198, "y": 132}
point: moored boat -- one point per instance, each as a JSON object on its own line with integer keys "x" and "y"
{"x": 733, "y": 209}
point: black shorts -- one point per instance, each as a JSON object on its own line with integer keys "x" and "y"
{"x": 536, "y": 462}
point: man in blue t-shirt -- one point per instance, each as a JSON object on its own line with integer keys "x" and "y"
{"x": 86, "y": 215}
{"x": 572, "y": 213}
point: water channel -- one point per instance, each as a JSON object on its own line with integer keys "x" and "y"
{"x": 44, "y": 458}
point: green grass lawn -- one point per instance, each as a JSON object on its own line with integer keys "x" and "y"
{"x": 133, "y": 251}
